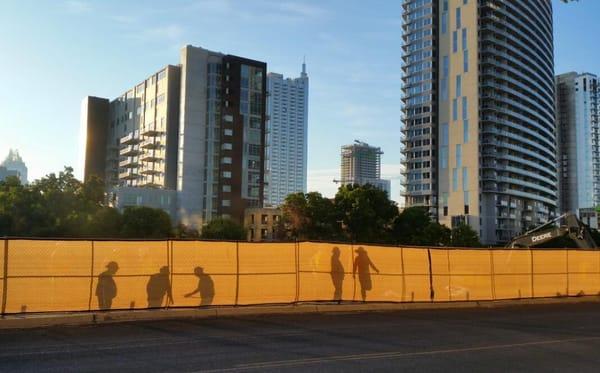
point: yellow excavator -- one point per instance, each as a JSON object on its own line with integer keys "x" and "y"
{"x": 566, "y": 225}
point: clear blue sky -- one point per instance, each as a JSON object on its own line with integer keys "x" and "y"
{"x": 54, "y": 52}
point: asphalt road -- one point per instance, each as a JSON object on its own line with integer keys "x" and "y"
{"x": 534, "y": 338}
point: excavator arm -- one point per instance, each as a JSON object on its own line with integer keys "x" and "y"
{"x": 573, "y": 228}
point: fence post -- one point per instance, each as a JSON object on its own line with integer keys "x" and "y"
{"x": 567, "y": 271}
{"x": 5, "y": 274}
{"x": 297, "y": 268}
{"x": 403, "y": 275}
{"x": 532, "y": 288}
{"x": 91, "y": 277}
{"x": 431, "y": 291}
{"x": 237, "y": 272}
{"x": 493, "y": 273}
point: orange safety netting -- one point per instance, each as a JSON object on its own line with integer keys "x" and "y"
{"x": 55, "y": 275}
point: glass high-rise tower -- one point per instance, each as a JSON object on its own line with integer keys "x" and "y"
{"x": 484, "y": 72}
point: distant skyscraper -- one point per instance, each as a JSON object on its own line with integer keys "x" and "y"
{"x": 361, "y": 164}
{"x": 578, "y": 122}
{"x": 13, "y": 162}
{"x": 287, "y": 131}
{"x": 188, "y": 139}
{"x": 479, "y": 138}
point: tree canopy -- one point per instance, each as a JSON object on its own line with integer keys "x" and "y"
{"x": 62, "y": 206}
{"x": 223, "y": 229}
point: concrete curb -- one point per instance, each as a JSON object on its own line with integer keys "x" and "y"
{"x": 27, "y": 321}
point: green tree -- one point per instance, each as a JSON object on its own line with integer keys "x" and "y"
{"x": 410, "y": 227}
{"x": 309, "y": 216}
{"x": 146, "y": 222}
{"x": 436, "y": 234}
{"x": 366, "y": 213}
{"x": 464, "y": 236}
{"x": 183, "y": 231}
{"x": 223, "y": 229}
{"x": 106, "y": 222}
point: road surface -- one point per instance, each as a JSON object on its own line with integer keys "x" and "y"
{"x": 532, "y": 338}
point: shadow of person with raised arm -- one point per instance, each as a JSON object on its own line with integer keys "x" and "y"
{"x": 206, "y": 287}
{"x": 158, "y": 286}
{"x": 363, "y": 263}
{"x": 337, "y": 274}
{"x": 106, "y": 290}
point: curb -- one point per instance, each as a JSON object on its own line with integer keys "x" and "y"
{"x": 28, "y": 321}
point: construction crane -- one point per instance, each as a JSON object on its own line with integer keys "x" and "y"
{"x": 572, "y": 228}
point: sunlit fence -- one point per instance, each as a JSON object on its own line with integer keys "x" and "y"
{"x": 54, "y": 275}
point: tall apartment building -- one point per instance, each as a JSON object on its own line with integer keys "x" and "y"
{"x": 14, "y": 165}
{"x": 287, "y": 137}
{"x": 361, "y": 164}
{"x": 419, "y": 98}
{"x": 578, "y": 122}
{"x": 491, "y": 96}
{"x": 188, "y": 139}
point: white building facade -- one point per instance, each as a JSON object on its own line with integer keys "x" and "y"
{"x": 286, "y": 140}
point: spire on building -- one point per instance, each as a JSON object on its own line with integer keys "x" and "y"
{"x": 304, "y": 75}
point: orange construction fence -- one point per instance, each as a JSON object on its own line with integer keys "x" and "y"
{"x": 88, "y": 275}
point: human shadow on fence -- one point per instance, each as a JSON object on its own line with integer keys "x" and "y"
{"x": 337, "y": 274}
{"x": 206, "y": 287}
{"x": 106, "y": 290}
{"x": 159, "y": 286}
{"x": 363, "y": 264}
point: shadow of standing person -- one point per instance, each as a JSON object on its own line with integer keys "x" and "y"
{"x": 106, "y": 290}
{"x": 158, "y": 286}
{"x": 337, "y": 274}
{"x": 363, "y": 263}
{"x": 206, "y": 287}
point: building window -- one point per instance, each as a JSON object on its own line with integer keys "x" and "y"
{"x": 466, "y": 61}
{"x": 458, "y": 20}
{"x": 454, "y": 109}
{"x": 465, "y": 178}
{"x": 465, "y": 109}
{"x": 162, "y": 74}
{"x": 228, "y": 132}
{"x": 465, "y": 131}
{"x": 445, "y": 66}
{"x": 227, "y": 188}
{"x": 444, "y": 22}
{"x": 226, "y": 146}
{"x": 458, "y": 86}
{"x": 458, "y": 155}
{"x": 464, "y": 39}
{"x": 226, "y": 160}
{"x": 226, "y": 203}
{"x": 444, "y": 89}
{"x": 454, "y": 41}
{"x": 228, "y": 118}
{"x": 454, "y": 179}
{"x": 227, "y": 174}
{"x": 264, "y": 219}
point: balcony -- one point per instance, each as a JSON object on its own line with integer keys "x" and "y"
{"x": 150, "y": 130}
{"x": 154, "y": 169}
{"x": 130, "y": 139}
{"x": 129, "y": 150}
{"x": 128, "y": 175}
{"x": 150, "y": 143}
{"x": 150, "y": 157}
{"x": 129, "y": 162}
{"x": 150, "y": 184}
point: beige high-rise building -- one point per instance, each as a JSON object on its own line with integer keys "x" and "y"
{"x": 478, "y": 123}
{"x": 188, "y": 139}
